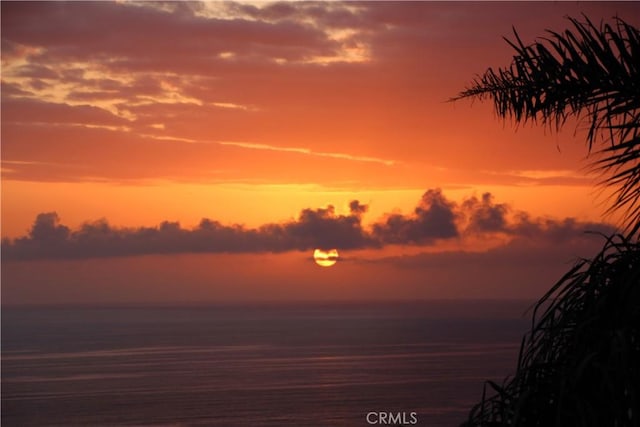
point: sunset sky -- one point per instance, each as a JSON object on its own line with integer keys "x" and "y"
{"x": 199, "y": 152}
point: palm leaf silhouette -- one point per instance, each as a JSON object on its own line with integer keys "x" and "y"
{"x": 591, "y": 73}
{"x": 580, "y": 363}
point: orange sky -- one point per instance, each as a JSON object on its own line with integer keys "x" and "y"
{"x": 250, "y": 113}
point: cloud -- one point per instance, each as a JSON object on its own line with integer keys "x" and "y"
{"x": 435, "y": 219}
{"x": 346, "y": 80}
{"x": 315, "y": 228}
{"x": 47, "y": 230}
{"x": 522, "y": 268}
{"x": 33, "y": 112}
{"x": 357, "y": 209}
{"x": 307, "y": 151}
{"x": 484, "y": 215}
{"x": 106, "y": 31}
{"x": 554, "y": 230}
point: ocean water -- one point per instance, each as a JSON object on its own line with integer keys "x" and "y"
{"x": 304, "y": 364}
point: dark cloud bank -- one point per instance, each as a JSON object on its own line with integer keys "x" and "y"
{"x": 434, "y": 219}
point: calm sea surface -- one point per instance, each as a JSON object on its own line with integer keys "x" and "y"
{"x": 254, "y": 365}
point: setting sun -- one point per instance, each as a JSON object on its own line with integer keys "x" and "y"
{"x": 325, "y": 258}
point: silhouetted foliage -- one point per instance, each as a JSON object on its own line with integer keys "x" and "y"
{"x": 580, "y": 363}
{"x": 592, "y": 73}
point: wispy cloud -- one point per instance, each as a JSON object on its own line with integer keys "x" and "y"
{"x": 267, "y": 147}
{"x": 307, "y": 151}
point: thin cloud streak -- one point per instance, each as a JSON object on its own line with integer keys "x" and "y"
{"x": 310, "y": 152}
{"x": 298, "y": 150}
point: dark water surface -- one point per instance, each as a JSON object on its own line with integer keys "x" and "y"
{"x": 306, "y": 364}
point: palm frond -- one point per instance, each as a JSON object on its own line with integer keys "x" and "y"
{"x": 578, "y": 366}
{"x": 590, "y": 73}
